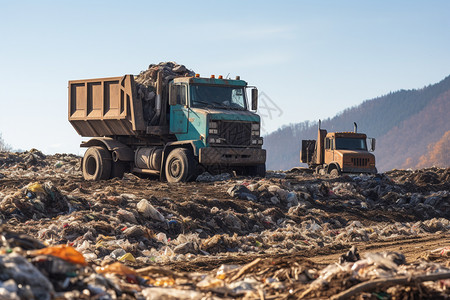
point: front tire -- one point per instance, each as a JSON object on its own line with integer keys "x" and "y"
{"x": 335, "y": 173}
{"x": 180, "y": 165}
{"x": 96, "y": 164}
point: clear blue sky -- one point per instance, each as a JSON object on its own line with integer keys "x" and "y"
{"x": 313, "y": 59}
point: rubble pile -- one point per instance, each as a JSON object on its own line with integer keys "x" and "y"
{"x": 34, "y": 164}
{"x": 146, "y": 85}
{"x": 61, "y": 272}
{"x": 135, "y": 237}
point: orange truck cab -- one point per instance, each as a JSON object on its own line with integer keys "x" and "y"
{"x": 339, "y": 152}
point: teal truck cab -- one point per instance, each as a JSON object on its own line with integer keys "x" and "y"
{"x": 203, "y": 124}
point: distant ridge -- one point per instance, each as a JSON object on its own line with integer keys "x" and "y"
{"x": 406, "y": 123}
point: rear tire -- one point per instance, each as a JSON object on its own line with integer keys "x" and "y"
{"x": 96, "y": 164}
{"x": 180, "y": 165}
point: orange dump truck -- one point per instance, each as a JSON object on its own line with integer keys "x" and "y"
{"x": 339, "y": 152}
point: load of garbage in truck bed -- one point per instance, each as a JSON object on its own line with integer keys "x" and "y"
{"x": 284, "y": 236}
{"x": 146, "y": 85}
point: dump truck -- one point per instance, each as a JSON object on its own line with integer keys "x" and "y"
{"x": 201, "y": 124}
{"x": 339, "y": 152}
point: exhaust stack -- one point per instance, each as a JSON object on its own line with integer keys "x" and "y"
{"x": 158, "y": 99}
{"x": 355, "y": 127}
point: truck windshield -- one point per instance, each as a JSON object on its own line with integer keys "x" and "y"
{"x": 226, "y": 97}
{"x": 351, "y": 144}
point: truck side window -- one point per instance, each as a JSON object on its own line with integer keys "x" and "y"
{"x": 327, "y": 143}
{"x": 180, "y": 92}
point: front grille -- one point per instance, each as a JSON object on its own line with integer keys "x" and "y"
{"x": 360, "y": 162}
{"x": 235, "y": 133}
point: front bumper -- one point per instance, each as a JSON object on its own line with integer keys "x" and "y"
{"x": 232, "y": 156}
{"x": 359, "y": 170}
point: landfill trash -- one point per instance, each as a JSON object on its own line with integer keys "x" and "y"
{"x": 188, "y": 247}
{"x": 376, "y": 272}
{"x": 241, "y": 192}
{"x": 207, "y": 177}
{"x": 148, "y": 211}
{"x": 351, "y": 256}
{"x": 127, "y": 257}
{"x": 116, "y": 268}
{"x": 156, "y": 293}
{"x": 65, "y": 252}
{"x": 442, "y": 252}
{"x": 17, "y": 270}
{"x": 186, "y": 232}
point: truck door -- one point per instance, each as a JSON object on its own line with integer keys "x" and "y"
{"x": 329, "y": 152}
{"x": 179, "y": 113}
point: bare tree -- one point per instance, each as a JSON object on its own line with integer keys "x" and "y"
{"x": 3, "y": 145}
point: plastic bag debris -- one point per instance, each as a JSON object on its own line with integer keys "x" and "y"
{"x": 148, "y": 211}
{"x": 156, "y": 293}
{"x": 127, "y": 257}
{"x": 126, "y": 216}
{"x": 241, "y": 192}
{"x": 206, "y": 177}
{"x": 65, "y": 252}
{"x": 116, "y": 268}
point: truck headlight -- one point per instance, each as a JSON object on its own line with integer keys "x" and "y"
{"x": 255, "y": 129}
{"x": 213, "y": 128}
{"x": 214, "y": 140}
{"x": 255, "y": 126}
{"x": 258, "y": 141}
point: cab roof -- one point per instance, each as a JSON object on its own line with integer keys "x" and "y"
{"x": 211, "y": 81}
{"x": 348, "y": 134}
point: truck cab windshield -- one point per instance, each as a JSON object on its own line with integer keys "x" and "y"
{"x": 225, "y": 97}
{"x": 351, "y": 144}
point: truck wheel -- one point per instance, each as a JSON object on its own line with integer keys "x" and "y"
{"x": 320, "y": 171}
{"x": 96, "y": 164}
{"x": 258, "y": 170}
{"x": 180, "y": 165}
{"x": 334, "y": 173}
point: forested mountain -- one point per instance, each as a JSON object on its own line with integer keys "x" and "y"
{"x": 411, "y": 126}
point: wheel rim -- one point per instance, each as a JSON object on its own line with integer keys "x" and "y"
{"x": 175, "y": 168}
{"x": 91, "y": 165}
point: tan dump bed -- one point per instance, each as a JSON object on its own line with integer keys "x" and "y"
{"x": 105, "y": 107}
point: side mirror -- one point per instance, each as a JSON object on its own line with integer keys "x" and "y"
{"x": 172, "y": 94}
{"x": 372, "y": 144}
{"x": 254, "y": 99}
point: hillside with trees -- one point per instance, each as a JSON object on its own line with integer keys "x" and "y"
{"x": 438, "y": 154}
{"x": 408, "y": 124}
